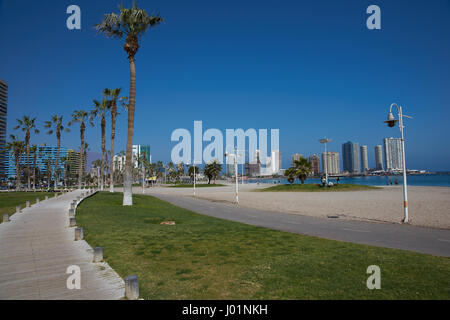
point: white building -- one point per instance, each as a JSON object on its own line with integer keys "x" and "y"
{"x": 364, "y": 159}
{"x": 393, "y": 159}
{"x": 141, "y": 151}
{"x": 379, "y": 157}
{"x": 119, "y": 162}
{"x": 272, "y": 165}
{"x": 330, "y": 161}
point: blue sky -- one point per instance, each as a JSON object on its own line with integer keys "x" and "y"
{"x": 308, "y": 68}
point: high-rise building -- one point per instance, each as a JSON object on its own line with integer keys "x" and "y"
{"x": 255, "y": 164}
{"x": 45, "y": 159}
{"x": 139, "y": 151}
{"x": 350, "y": 158}
{"x": 119, "y": 162}
{"x": 315, "y": 164}
{"x": 364, "y": 159}
{"x": 379, "y": 157}
{"x": 3, "y": 112}
{"x": 276, "y": 162}
{"x": 73, "y": 162}
{"x": 330, "y": 161}
{"x": 296, "y": 157}
{"x": 393, "y": 159}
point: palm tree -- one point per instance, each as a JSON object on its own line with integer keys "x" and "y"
{"x": 303, "y": 168}
{"x": 34, "y": 152}
{"x": 159, "y": 169}
{"x": 113, "y": 94}
{"x": 191, "y": 171}
{"x": 290, "y": 174}
{"x": 100, "y": 110}
{"x": 212, "y": 170}
{"x": 64, "y": 161}
{"x": 171, "y": 170}
{"x": 16, "y": 148}
{"x": 97, "y": 164}
{"x": 131, "y": 23}
{"x": 27, "y": 125}
{"x": 81, "y": 116}
{"x": 56, "y": 125}
{"x": 180, "y": 170}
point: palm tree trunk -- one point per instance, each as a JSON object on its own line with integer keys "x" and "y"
{"x": 113, "y": 134}
{"x": 102, "y": 166}
{"x": 34, "y": 173}
{"x": 17, "y": 171}
{"x": 27, "y": 138}
{"x": 127, "y": 184}
{"x": 80, "y": 167}
{"x": 58, "y": 144}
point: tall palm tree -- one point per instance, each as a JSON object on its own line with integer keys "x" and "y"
{"x": 100, "y": 110}
{"x": 97, "y": 164}
{"x": 113, "y": 94}
{"x": 303, "y": 168}
{"x": 56, "y": 125}
{"x": 27, "y": 125}
{"x": 64, "y": 161}
{"x": 16, "y": 147}
{"x": 131, "y": 23}
{"x": 85, "y": 151}
{"x": 81, "y": 117}
{"x": 34, "y": 152}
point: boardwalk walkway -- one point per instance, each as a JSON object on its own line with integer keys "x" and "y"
{"x": 36, "y": 248}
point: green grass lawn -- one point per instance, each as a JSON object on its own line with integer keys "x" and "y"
{"x": 9, "y": 200}
{"x": 309, "y": 187}
{"x": 197, "y": 185}
{"x": 203, "y": 257}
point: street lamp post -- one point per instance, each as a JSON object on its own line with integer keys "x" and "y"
{"x": 194, "y": 176}
{"x": 325, "y": 163}
{"x": 391, "y": 121}
{"x": 235, "y": 156}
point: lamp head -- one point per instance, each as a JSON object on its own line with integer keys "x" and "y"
{"x": 391, "y": 121}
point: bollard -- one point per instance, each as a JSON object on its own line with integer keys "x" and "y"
{"x": 98, "y": 254}
{"x": 37, "y": 200}
{"x": 6, "y": 217}
{"x": 27, "y": 203}
{"x": 78, "y": 234}
{"x": 71, "y": 213}
{"x": 131, "y": 288}
{"x": 72, "y": 222}
{"x": 46, "y": 197}
{"x": 18, "y": 209}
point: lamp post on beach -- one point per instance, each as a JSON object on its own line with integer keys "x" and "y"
{"x": 235, "y": 156}
{"x": 391, "y": 121}
{"x": 325, "y": 163}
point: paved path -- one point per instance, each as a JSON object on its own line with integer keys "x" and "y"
{"x": 37, "y": 246}
{"x": 424, "y": 240}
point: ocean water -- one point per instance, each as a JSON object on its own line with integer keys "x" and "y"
{"x": 439, "y": 180}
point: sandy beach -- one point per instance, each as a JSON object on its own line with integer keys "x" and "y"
{"x": 428, "y": 206}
